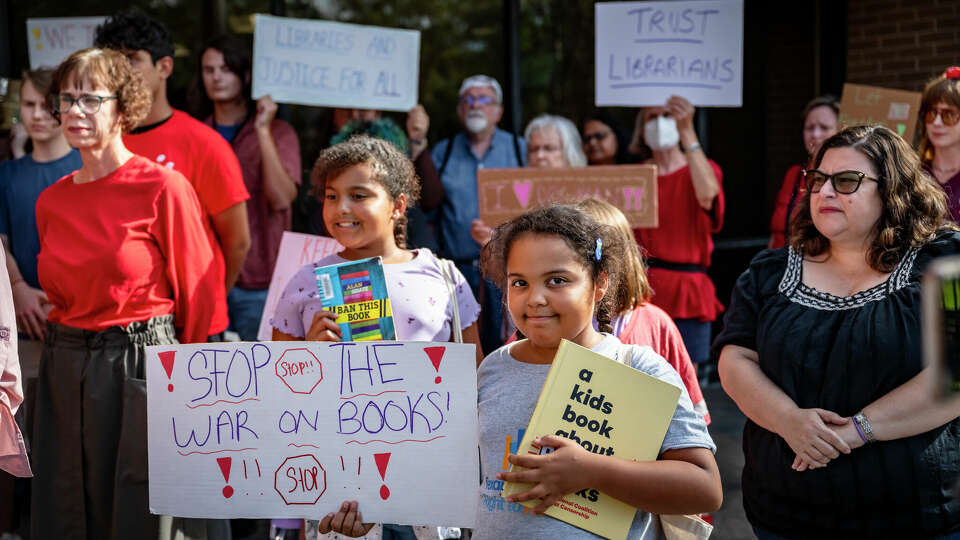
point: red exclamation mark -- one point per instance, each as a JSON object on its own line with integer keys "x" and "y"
{"x": 382, "y": 460}
{"x": 436, "y": 355}
{"x": 224, "y": 463}
{"x": 166, "y": 358}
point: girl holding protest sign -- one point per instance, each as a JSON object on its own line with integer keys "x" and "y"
{"x": 556, "y": 266}
{"x": 366, "y": 185}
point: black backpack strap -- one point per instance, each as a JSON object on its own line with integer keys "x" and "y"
{"x": 446, "y": 156}
{"x": 516, "y": 149}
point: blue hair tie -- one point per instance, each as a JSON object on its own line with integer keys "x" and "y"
{"x": 598, "y": 253}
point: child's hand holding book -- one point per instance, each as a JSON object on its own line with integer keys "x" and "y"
{"x": 563, "y": 471}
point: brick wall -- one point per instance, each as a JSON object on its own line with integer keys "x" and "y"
{"x": 790, "y": 60}
{"x": 901, "y": 43}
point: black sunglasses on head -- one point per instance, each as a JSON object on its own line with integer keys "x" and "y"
{"x": 845, "y": 182}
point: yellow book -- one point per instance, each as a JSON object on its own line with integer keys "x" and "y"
{"x": 607, "y": 407}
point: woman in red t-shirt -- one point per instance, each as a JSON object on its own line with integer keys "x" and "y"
{"x": 690, "y": 210}
{"x": 820, "y": 118}
{"x": 126, "y": 261}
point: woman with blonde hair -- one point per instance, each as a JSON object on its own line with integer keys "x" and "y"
{"x": 636, "y": 320}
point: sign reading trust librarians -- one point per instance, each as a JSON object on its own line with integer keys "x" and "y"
{"x": 648, "y": 51}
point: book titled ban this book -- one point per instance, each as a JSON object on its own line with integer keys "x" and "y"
{"x": 607, "y": 407}
{"x": 357, "y": 292}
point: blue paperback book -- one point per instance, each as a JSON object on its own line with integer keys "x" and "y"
{"x": 357, "y": 292}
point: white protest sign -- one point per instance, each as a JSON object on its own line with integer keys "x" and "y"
{"x": 335, "y": 64}
{"x": 51, "y": 40}
{"x": 648, "y": 51}
{"x": 296, "y": 250}
{"x": 293, "y": 429}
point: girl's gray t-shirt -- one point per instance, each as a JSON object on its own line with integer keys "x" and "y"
{"x": 507, "y": 394}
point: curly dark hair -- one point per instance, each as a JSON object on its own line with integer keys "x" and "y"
{"x": 391, "y": 169}
{"x": 579, "y": 231}
{"x": 112, "y": 71}
{"x": 132, "y": 30}
{"x": 914, "y": 205}
{"x": 237, "y": 56}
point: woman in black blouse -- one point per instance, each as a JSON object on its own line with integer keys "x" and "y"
{"x": 822, "y": 351}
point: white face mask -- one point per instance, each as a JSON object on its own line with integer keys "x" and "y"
{"x": 476, "y": 121}
{"x": 661, "y": 133}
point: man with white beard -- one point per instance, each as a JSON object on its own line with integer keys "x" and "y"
{"x": 480, "y": 145}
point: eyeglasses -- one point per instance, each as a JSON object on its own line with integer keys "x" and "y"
{"x": 587, "y": 139}
{"x": 88, "y": 103}
{"x": 948, "y": 116}
{"x": 470, "y": 101}
{"x": 845, "y": 182}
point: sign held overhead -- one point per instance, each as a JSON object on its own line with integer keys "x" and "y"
{"x": 51, "y": 40}
{"x": 895, "y": 109}
{"x": 333, "y": 64}
{"x": 648, "y": 51}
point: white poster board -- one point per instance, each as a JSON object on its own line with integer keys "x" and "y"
{"x": 648, "y": 51}
{"x": 296, "y": 250}
{"x": 51, "y": 40}
{"x": 335, "y": 64}
{"x": 293, "y": 429}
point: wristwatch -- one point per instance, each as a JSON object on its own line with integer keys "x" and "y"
{"x": 861, "y": 421}
{"x": 693, "y": 147}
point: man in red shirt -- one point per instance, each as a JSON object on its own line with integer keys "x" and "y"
{"x": 174, "y": 139}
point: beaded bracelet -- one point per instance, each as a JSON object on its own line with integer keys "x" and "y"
{"x": 864, "y": 427}
{"x": 860, "y": 432}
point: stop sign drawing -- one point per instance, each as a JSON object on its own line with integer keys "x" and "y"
{"x": 300, "y": 480}
{"x": 300, "y": 370}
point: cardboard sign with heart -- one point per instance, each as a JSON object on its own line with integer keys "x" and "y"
{"x": 507, "y": 193}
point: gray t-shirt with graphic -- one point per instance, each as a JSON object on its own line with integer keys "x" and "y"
{"x": 508, "y": 391}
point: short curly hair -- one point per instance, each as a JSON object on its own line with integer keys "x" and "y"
{"x": 112, "y": 71}
{"x": 580, "y": 232}
{"x": 132, "y": 30}
{"x": 390, "y": 168}
{"x": 914, "y": 205}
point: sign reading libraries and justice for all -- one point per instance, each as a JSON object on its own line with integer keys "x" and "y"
{"x": 335, "y": 64}
{"x": 648, "y": 51}
{"x": 292, "y": 429}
